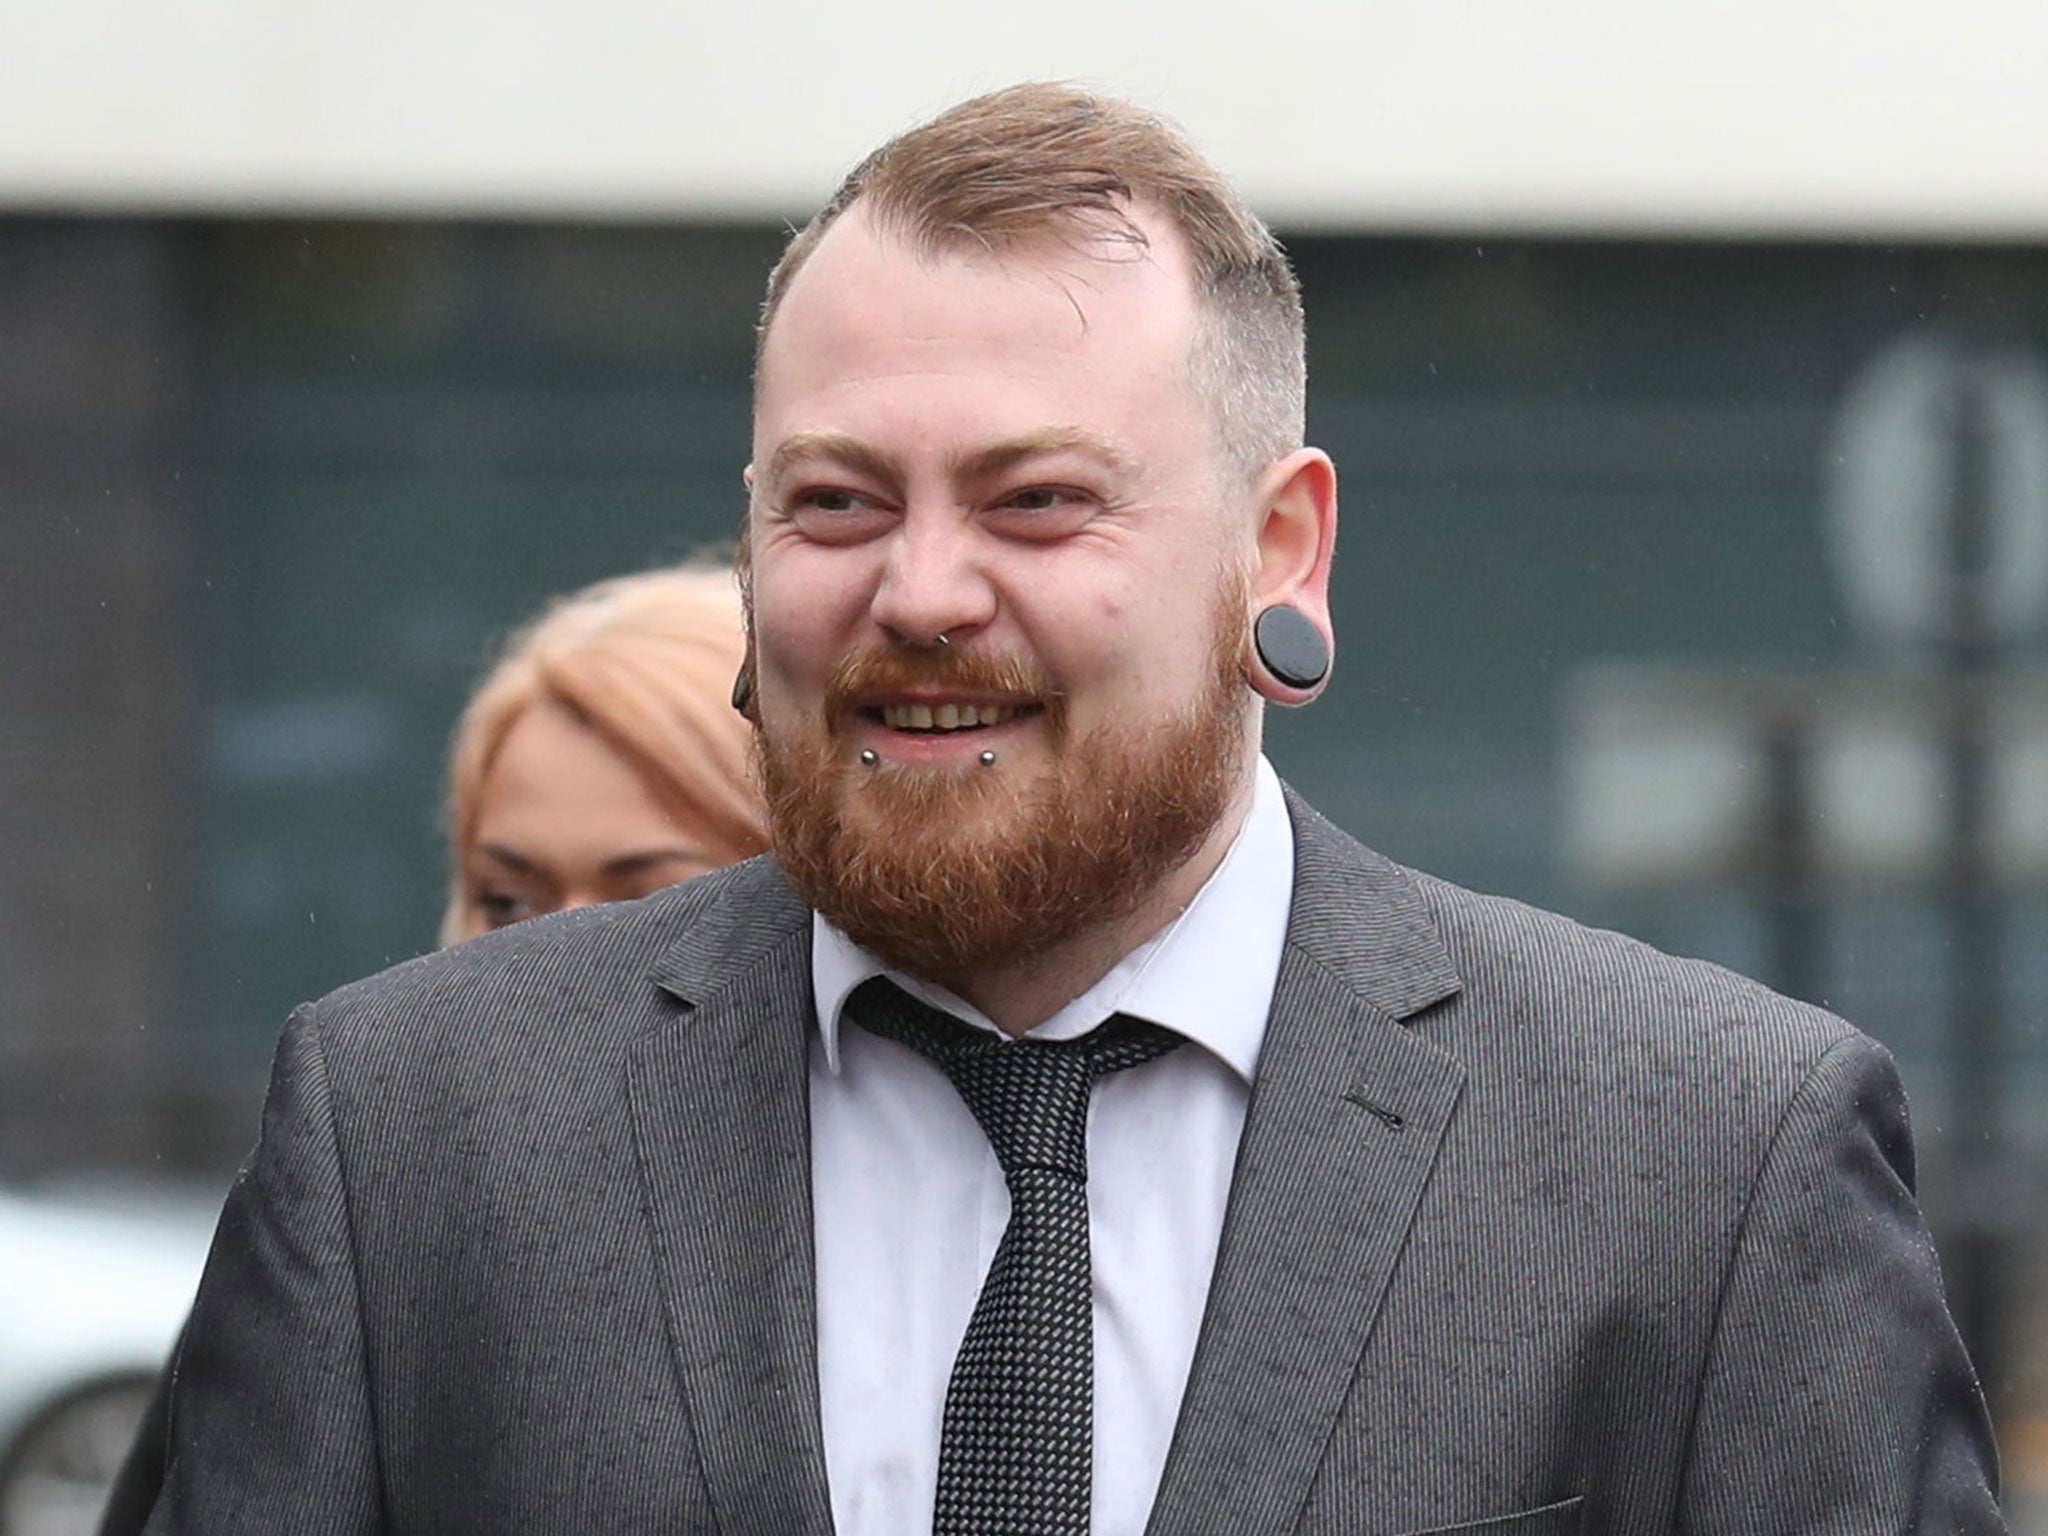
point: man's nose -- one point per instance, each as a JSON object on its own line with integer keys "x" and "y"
{"x": 935, "y": 582}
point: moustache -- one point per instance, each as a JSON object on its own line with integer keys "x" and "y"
{"x": 865, "y": 678}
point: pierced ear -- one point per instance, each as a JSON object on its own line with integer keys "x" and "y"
{"x": 744, "y": 692}
{"x": 1293, "y": 640}
{"x": 1290, "y": 649}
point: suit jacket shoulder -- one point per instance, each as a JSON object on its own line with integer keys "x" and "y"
{"x": 1545, "y": 980}
{"x": 1513, "y": 988}
{"x": 1663, "y": 1194}
{"x": 452, "y": 1290}
{"x": 564, "y": 991}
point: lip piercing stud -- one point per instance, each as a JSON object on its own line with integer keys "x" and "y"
{"x": 869, "y": 757}
{"x": 942, "y": 639}
{"x": 988, "y": 759}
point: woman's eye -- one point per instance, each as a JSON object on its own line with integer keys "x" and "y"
{"x": 501, "y": 909}
{"x": 659, "y": 878}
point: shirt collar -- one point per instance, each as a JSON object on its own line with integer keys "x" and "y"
{"x": 1173, "y": 979}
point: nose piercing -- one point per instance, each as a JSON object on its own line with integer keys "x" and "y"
{"x": 942, "y": 640}
{"x": 869, "y": 757}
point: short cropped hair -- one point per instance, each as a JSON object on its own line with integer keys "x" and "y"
{"x": 647, "y": 663}
{"x": 1047, "y": 163}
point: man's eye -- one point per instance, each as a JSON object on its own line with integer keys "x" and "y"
{"x": 1041, "y": 513}
{"x": 826, "y": 500}
{"x": 1041, "y": 498}
{"x": 830, "y": 514}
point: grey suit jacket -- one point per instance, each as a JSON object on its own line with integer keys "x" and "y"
{"x": 1534, "y": 1231}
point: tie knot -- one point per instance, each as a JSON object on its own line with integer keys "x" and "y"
{"x": 1030, "y": 1096}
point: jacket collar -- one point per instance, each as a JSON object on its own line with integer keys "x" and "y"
{"x": 1340, "y": 1141}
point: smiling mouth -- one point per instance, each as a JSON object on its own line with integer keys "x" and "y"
{"x": 938, "y": 719}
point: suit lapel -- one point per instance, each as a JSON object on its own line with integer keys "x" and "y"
{"x": 1339, "y": 1142}
{"x": 721, "y": 1119}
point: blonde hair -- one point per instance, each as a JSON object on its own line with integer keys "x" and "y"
{"x": 645, "y": 661}
{"x": 1041, "y": 163}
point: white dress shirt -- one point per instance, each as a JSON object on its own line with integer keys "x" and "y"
{"x": 909, "y": 1203}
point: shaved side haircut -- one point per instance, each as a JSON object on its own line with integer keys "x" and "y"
{"x": 1041, "y": 164}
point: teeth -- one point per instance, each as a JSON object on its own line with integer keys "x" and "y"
{"x": 945, "y": 717}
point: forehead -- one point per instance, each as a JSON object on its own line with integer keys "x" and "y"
{"x": 869, "y": 300}
{"x": 550, "y": 757}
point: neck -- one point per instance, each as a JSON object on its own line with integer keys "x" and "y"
{"x": 1023, "y": 994}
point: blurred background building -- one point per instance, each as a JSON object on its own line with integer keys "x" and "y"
{"x": 1688, "y": 379}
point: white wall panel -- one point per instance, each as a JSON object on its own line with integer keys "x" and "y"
{"x": 1820, "y": 116}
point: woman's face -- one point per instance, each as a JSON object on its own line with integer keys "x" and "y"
{"x": 564, "y": 821}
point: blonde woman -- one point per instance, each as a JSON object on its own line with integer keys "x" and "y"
{"x": 601, "y": 758}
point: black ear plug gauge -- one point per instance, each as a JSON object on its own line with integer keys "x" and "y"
{"x": 1290, "y": 647}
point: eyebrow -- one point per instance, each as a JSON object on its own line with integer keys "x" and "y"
{"x": 506, "y": 857}
{"x": 625, "y": 864}
{"x": 840, "y": 447}
{"x": 633, "y": 863}
{"x": 982, "y": 464}
{"x": 986, "y": 463}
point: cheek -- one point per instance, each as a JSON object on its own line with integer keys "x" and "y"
{"x": 1141, "y": 649}
{"x": 808, "y": 616}
{"x": 1145, "y": 601}
{"x": 805, "y": 610}
{"x": 1112, "y": 650}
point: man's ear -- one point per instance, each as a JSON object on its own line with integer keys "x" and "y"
{"x": 1297, "y": 538}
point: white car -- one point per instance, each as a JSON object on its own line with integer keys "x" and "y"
{"x": 93, "y": 1290}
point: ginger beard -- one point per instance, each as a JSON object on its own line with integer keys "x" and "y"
{"x": 949, "y": 872}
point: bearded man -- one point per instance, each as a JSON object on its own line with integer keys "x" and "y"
{"x": 1066, "y": 1130}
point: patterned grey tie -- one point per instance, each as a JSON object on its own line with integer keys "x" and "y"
{"x": 1018, "y": 1437}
